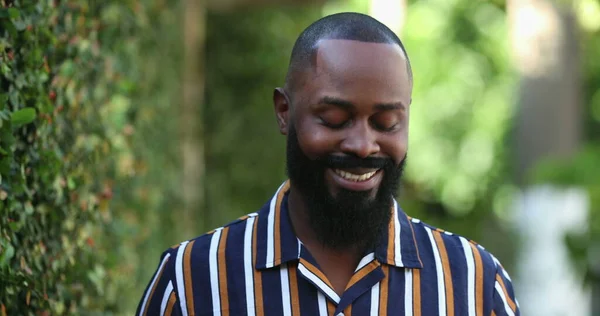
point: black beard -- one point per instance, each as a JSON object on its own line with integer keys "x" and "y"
{"x": 351, "y": 219}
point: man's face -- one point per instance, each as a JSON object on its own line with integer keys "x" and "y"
{"x": 347, "y": 138}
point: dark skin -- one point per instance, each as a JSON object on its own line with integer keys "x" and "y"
{"x": 354, "y": 101}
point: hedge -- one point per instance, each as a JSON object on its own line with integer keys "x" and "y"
{"x": 64, "y": 127}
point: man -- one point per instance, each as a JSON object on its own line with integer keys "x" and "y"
{"x": 333, "y": 240}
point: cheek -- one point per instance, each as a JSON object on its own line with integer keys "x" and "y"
{"x": 315, "y": 141}
{"x": 395, "y": 146}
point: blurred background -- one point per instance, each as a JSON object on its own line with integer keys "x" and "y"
{"x": 128, "y": 126}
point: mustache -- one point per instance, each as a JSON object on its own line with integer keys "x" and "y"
{"x": 346, "y": 162}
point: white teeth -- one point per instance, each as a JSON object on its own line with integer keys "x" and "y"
{"x": 354, "y": 177}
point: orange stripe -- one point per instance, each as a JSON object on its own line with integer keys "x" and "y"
{"x": 512, "y": 304}
{"x": 170, "y": 304}
{"x": 330, "y": 308}
{"x": 383, "y": 292}
{"x": 391, "y": 255}
{"x": 416, "y": 292}
{"x": 277, "y": 228}
{"x": 410, "y": 223}
{"x": 348, "y": 310}
{"x": 362, "y": 272}
{"x": 154, "y": 286}
{"x": 316, "y": 272}
{"x": 223, "y": 273}
{"x": 294, "y": 290}
{"x": 258, "y": 292}
{"x": 447, "y": 273}
{"x": 478, "y": 281}
{"x": 187, "y": 274}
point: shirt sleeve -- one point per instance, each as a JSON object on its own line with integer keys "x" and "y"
{"x": 160, "y": 297}
{"x": 505, "y": 301}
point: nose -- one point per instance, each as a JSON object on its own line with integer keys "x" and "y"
{"x": 360, "y": 141}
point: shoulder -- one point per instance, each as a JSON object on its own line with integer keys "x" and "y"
{"x": 227, "y": 237}
{"x": 435, "y": 243}
{"x": 468, "y": 264}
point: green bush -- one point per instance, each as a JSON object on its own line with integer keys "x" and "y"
{"x": 64, "y": 125}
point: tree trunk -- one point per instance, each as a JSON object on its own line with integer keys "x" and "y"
{"x": 192, "y": 142}
{"x": 545, "y": 47}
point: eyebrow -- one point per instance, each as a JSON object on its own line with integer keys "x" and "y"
{"x": 347, "y": 105}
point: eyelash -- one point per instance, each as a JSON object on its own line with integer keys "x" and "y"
{"x": 342, "y": 125}
{"x": 334, "y": 126}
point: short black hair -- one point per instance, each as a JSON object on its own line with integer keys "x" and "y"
{"x": 347, "y": 26}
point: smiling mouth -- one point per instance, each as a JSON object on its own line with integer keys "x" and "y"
{"x": 355, "y": 177}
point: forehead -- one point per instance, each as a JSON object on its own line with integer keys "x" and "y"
{"x": 364, "y": 69}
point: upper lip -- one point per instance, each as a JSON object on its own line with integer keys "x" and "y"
{"x": 358, "y": 171}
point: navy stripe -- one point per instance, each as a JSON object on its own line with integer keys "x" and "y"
{"x": 458, "y": 268}
{"x": 201, "y": 273}
{"x": 271, "y": 283}
{"x": 489, "y": 280}
{"x": 429, "y": 284}
{"x": 396, "y": 291}
{"x": 236, "y": 282}
{"x": 308, "y": 297}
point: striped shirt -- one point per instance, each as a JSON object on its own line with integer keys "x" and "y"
{"x": 257, "y": 266}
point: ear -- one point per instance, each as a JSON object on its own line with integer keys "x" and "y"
{"x": 282, "y": 107}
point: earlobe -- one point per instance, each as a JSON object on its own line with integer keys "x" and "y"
{"x": 282, "y": 109}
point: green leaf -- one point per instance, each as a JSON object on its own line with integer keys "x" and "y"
{"x": 3, "y": 100}
{"x": 22, "y": 117}
{"x": 6, "y": 255}
{"x": 13, "y": 13}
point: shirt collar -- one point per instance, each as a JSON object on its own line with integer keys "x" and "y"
{"x": 277, "y": 243}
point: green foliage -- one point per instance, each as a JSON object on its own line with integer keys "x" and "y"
{"x": 62, "y": 118}
{"x": 462, "y": 104}
{"x": 246, "y": 60}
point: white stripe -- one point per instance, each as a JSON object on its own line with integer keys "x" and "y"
{"x": 270, "y": 230}
{"x": 285, "y": 291}
{"x": 375, "y": 300}
{"x": 248, "y": 268}
{"x": 509, "y": 311}
{"x": 365, "y": 260}
{"x": 408, "y": 292}
{"x": 320, "y": 284}
{"x": 398, "y": 251}
{"x": 214, "y": 272}
{"x": 470, "y": 275}
{"x": 147, "y": 296}
{"x": 416, "y": 220}
{"x": 180, "y": 279}
{"x": 165, "y": 300}
{"x": 440, "y": 274}
{"x": 499, "y": 267}
{"x": 322, "y": 305}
